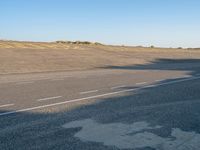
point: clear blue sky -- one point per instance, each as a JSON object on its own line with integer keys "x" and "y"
{"x": 168, "y": 23}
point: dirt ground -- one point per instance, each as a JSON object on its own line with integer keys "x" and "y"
{"x": 28, "y": 57}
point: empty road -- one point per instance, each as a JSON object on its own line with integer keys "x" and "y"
{"x": 153, "y": 106}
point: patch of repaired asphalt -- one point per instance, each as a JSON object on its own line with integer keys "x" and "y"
{"x": 136, "y": 135}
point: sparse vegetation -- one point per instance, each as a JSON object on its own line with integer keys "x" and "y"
{"x": 97, "y": 43}
{"x": 78, "y": 42}
{"x": 59, "y": 56}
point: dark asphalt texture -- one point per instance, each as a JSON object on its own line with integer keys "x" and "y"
{"x": 172, "y": 111}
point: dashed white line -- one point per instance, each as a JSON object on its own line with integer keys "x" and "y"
{"x": 151, "y": 86}
{"x": 49, "y": 98}
{"x": 87, "y": 92}
{"x": 160, "y": 80}
{"x": 6, "y": 105}
{"x": 141, "y": 83}
{"x": 186, "y": 76}
{"x": 96, "y": 96}
{"x": 117, "y": 87}
{"x": 174, "y": 78}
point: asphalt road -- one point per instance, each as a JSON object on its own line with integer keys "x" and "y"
{"x": 154, "y": 106}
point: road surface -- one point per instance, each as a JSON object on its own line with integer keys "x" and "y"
{"x": 141, "y": 107}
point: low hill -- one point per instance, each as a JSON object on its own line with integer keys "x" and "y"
{"x": 26, "y": 57}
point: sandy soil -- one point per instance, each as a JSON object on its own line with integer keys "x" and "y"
{"x": 27, "y": 57}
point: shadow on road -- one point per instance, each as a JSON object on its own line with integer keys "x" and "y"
{"x": 170, "y": 107}
{"x": 192, "y": 65}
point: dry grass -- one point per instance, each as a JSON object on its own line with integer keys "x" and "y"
{"x": 25, "y": 57}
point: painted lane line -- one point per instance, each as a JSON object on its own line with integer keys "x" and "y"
{"x": 6, "y": 105}
{"x": 141, "y": 83}
{"x": 87, "y": 92}
{"x": 118, "y": 87}
{"x": 49, "y": 98}
{"x": 93, "y": 97}
{"x": 22, "y": 83}
{"x": 151, "y": 86}
{"x": 175, "y": 78}
{"x": 186, "y": 76}
{"x": 160, "y": 80}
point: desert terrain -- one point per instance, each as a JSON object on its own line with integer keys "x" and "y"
{"x": 90, "y": 96}
{"x": 32, "y": 57}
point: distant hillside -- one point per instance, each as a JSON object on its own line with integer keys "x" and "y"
{"x": 26, "y": 57}
{"x": 6, "y": 44}
{"x": 44, "y": 45}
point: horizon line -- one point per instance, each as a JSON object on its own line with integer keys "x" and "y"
{"x": 106, "y": 44}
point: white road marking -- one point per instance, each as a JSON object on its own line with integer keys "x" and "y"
{"x": 186, "y": 76}
{"x": 22, "y": 83}
{"x": 87, "y": 92}
{"x": 174, "y": 78}
{"x": 141, "y": 83}
{"x": 117, "y": 87}
{"x": 150, "y": 86}
{"x": 96, "y": 96}
{"x": 160, "y": 80}
{"x": 49, "y": 98}
{"x": 6, "y": 105}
